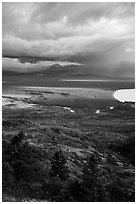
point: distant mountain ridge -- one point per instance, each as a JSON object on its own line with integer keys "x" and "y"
{"x": 57, "y": 71}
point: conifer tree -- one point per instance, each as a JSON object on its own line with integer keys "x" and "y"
{"x": 16, "y": 140}
{"x": 58, "y": 166}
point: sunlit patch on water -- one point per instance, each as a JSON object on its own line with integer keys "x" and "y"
{"x": 6, "y": 101}
{"x": 13, "y": 103}
{"x": 67, "y": 108}
{"x": 97, "y": 111}
{"x": 23, "y": 105}
{"x": 17, "y": 95}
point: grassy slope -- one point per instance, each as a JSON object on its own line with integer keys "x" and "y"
{"x": 78, "y": 135}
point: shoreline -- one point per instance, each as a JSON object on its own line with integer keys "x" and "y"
{"x": 70, "y": 97}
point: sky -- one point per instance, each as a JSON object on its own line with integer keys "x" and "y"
{"x": 100, "y": 35}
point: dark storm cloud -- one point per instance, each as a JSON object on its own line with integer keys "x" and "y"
{"x": 89, "y": 33}
{"x": 82, "y": 11}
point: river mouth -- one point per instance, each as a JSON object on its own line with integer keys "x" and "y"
{"x": 125, "y": 95}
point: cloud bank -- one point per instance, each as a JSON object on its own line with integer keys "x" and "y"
{"x": 90, "y": 33}
{"x": 15, "y": 65}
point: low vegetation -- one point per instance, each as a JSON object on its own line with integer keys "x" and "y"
{"x": 68, "y": 158}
